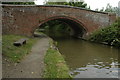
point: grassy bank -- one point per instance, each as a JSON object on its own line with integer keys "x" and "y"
{"x": 55, "y": 64}
{"x": 109, "y": 35}
{"x": 13, "y": 53}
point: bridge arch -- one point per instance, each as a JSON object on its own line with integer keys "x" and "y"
{"x": 23, "y": 20}
{"x": 77, "y": 26}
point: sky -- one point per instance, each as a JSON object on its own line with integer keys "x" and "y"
{"x": 94, "y": 4}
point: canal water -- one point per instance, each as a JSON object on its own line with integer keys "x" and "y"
{"x": 89, "y": 60}
{"x": 86, "y": 59}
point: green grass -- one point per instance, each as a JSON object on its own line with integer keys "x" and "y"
{"x": 13, "y": 53}
{"x": 55, "y": 64}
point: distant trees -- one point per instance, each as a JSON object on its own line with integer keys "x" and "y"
{"x": 56, "y": 28}
{"x": 109, "y": 8}
{"x": 30, "y": 2}
{"x": 102, "y": 9}
{"x": 75, "y": 3}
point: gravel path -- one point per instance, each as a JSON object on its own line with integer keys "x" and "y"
{"x": 31, "y": 66}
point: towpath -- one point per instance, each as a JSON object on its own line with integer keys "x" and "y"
{"x": 31, "y": 66}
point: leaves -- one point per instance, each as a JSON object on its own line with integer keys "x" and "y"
{"x": 19, "y": 3}
{"x": 75, "y": 3}
{"x": 110, "y": 35}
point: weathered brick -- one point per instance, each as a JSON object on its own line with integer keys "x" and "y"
{"x": 23, "y": 20}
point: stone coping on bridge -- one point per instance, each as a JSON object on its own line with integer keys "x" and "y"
{"x": 62, "y": 6}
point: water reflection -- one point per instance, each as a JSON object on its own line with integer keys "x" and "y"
{"x": 96, "y": 71}
{"x": 89, "y": 60}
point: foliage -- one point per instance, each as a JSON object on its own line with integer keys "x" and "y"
{"x": 55, "y": 64}
{"x": 110, "y": 9}
{"x": 75, "y": 3}
{"x": 56, "y": 27}
{"x": 102, "y": 9}
{"x": 19, "y": 3}
{"x": 96, "y": 9}
{"x": 12, "y": 52}
{"x": 109, "y": 35}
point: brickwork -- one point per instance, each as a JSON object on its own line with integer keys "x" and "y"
{"x": 23, "y": 20}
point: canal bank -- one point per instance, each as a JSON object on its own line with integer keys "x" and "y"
{"x": 109, "y": 35}
{"x": 87, "y": 59}
{"x": 46, "y": 59}
{"x": 80, "y": 56}
{"x": 31, "y": 64}
{"x": 90, "y": 60}
{"x": 56, "y": 66}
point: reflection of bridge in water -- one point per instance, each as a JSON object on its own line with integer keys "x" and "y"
{"x": 23, "y": 20}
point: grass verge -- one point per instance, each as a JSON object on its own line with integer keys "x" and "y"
{"x": 13, "y": 53}
{"x": 55, "y": 64}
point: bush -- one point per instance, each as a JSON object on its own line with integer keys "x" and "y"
{"x": 109, "y": 35}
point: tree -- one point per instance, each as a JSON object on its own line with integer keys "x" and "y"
{"x": 75, "y": 3}
{"x": 55, "y": 2}
{"x": 89, "y": 8}
{"x": 96, "y": 9}
{"x": 20, "y": 3}
{"x": 108, "y": 8}
{"x": 102, "y": 10}
{"x": 78, "y": 4}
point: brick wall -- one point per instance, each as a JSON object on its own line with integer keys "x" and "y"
{"x": 23, "y": 20}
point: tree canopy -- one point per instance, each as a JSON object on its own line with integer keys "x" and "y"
{"x": 110, "y": 9}
{"x": 19, "y": 3}
{"x": 75, "y": 3}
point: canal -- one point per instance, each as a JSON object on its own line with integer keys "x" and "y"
{"x": 89, "y": 60}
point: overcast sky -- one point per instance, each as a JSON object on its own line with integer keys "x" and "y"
{"x": 92, "y": 3}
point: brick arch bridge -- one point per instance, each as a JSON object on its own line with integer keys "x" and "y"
{"x": 23, "y": 20}
{"x": 78, "y": 28}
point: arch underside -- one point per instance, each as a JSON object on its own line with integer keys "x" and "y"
{"x": 78, "y": 28}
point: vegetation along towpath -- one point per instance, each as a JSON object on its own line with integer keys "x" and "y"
{"x": 31, "y": 66}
